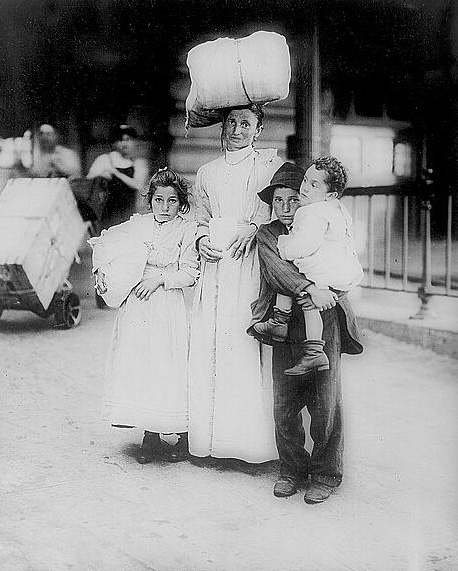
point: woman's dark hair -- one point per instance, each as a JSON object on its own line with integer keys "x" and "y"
{"x": 121, "y": 130}
{"x": 255, "y": 108}
{"x": 167, "y": 177}
{"x": 336, "y": 175}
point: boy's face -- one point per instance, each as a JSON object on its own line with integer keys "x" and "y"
{"x": 285, "y": 203}
{"x": 314, "y": 188}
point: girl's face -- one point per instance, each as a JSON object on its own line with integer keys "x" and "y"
{"x": 314, "y": 187}
{"x": 165, "y": 203}
{"x": 240, "y": 129}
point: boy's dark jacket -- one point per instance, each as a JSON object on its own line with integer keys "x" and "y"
{"x": 281, "y": 276}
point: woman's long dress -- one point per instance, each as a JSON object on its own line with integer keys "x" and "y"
{"x": 146, "y": 372}
{"x": 230, "y": 396}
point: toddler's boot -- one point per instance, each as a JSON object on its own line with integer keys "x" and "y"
{"x": 276, "y": 326}
{"x": 312, "y": 357}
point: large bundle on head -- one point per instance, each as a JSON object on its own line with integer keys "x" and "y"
{"x": 228, "y": 72}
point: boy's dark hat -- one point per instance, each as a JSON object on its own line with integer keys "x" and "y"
{"x": 288, "y": 175}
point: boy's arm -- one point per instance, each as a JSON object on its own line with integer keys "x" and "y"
{"x": 283, "y": 276}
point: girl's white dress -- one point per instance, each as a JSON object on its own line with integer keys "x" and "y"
{"x": 230, "y": 385}
{"x": 146, "y": 372}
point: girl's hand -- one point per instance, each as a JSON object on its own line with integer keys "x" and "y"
{"x": 207, "y": 252}
{"x": 322, "y": 298}
{"x": 100, "y": 285}
{"x": 145, "y": 289}
{"x": 240, "y": 245}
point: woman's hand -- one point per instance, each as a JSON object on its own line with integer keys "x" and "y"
{"x": 100, "y": 285}
{"x": 321, "y": 298}
{"x": 145, "y": 289}
{"x": 207, "y": 252}
{"x": 240, "y": 245}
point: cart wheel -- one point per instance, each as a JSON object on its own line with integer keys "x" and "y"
{"x": 68, "y": 311}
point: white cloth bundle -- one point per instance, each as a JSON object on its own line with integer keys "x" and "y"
{"x": 122, "y": 260}
{"x": 228, "y": 72}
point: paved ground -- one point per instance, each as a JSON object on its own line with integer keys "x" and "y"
{"x": 74, "y": 498}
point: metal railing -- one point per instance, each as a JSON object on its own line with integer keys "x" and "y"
{"x": 405, "y": 241}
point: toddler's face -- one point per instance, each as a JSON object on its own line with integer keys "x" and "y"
{"x": 313, "y": 187}
{"x": 165, "y": 203}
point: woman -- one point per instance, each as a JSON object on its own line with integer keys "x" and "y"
{"x": 125, "y": 172}
{"x": 49, "y": 159}
{"x": 230, "y": 392}
{"x": 146, "y": 373}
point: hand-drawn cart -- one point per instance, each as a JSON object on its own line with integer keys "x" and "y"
{"x": 40, "y": 232}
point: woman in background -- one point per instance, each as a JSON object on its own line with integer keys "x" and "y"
{"x": 126, "y": 172}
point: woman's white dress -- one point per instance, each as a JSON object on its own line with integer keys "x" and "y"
{"x": 146, "y": 373}
{"x": 230, "y": 385}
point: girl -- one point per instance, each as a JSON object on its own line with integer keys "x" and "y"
{"x": 146, "y": 372}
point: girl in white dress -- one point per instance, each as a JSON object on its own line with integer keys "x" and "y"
{"x": 146, "y": 373}
{"x": 230, "y": 386}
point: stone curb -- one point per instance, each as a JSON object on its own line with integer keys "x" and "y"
{"x": 439, "y": 341}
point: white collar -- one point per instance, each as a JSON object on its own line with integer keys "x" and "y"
{"x": 234, "y": 157}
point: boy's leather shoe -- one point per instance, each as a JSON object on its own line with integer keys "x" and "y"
{"x": 285, "y": 487}
{"x": 318, "y": 492}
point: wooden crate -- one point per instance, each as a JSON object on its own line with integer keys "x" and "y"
{"x": 40, "y": 231}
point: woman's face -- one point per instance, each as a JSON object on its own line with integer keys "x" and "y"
{"x": 125, "y": 146}
{"x": 165, "y": 203}
{"x": 240, "y": 129}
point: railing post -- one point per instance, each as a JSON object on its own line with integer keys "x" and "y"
{"x": 424, "y": 291}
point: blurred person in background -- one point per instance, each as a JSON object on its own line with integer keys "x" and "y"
{"x": 126, "y": 172}
{"x": 49, "y": 159}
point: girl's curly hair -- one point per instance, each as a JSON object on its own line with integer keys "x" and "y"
{"x": 167, "y": 177}
{"x": 336, "y": 175}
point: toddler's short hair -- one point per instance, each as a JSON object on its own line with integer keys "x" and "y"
{"x": 336, "y": 175}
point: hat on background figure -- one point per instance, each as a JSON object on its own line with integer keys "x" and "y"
{"x": 122, "y": 130}
{"x": 288, "y": 175}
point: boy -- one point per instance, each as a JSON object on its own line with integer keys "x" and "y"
{"x": 320, "y": 245}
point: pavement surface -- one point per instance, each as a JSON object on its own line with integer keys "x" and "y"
{"x": 73, "y": 497}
